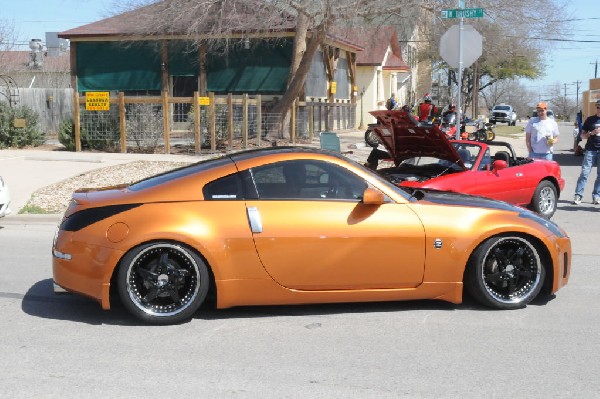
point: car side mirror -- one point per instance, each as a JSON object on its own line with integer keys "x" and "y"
{"x": 372, "y": 196}
{"x": 499, "y": 165}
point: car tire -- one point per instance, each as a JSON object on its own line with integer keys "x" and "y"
{"x": 505, "y": 272}
{"x": 371, "y": 138}
{"x": 545, "y": 199}
{"x": 162, "y": 282}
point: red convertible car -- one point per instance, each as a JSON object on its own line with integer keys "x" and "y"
{"x": 425, "y": 158}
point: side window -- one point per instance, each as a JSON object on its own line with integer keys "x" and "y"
{"x": 225, "y": 188}
{"x": 307, "y": 179}
{"x": 486, "y": 161}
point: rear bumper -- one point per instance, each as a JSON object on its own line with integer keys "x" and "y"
{"x": 89, "y": 270}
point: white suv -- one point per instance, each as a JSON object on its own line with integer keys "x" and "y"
{"x": 503, "y": 113}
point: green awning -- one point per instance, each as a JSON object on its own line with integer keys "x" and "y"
{"x": 105, "y": 66}
{"x": 262, "y": 68}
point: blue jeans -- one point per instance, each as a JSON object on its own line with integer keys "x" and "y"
{"x": 590, "y": 158}
{"x": 540, "y": 155}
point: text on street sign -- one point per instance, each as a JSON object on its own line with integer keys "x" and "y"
{"x": 463, "y": 13}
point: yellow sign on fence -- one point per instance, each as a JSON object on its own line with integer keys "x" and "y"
{"x": 333, "y": 87}
{"x": 20, "y": 122}
{"x": 97, "y": 101}
{"x": 203, "y": 100}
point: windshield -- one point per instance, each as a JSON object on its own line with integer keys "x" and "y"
{"x": 431, "y": 162}
{"x": 449, "y": 118}
{"x": 501, "y": 108}
{"x": 468, "y": 153}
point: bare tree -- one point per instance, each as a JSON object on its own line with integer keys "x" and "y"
{"x": 564, "y": 107}
{"x": 313, "y": 21}
{"x": 511, "y": 29}
{"x": 517, "y": 34}
{"x": 7, "y": 39}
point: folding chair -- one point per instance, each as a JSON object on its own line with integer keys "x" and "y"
{"x": 330, "y": 141}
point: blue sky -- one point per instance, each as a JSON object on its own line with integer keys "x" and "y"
{"x": 568, "y": 62}
{"x": 31, "y": 19}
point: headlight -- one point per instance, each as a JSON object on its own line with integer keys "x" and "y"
{"x": 551, "y": 226}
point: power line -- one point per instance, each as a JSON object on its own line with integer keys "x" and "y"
{"x": 554, "y": 39}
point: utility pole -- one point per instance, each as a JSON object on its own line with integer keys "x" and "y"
{"x": 595, "y": 69}
{"x": 577, "y": 97}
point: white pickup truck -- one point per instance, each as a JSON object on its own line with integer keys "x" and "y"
{"x": 503, "y": 113}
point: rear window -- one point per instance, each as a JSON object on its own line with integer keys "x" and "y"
{"x": 179, "y": 173}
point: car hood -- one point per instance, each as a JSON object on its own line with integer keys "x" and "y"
{"x": 405, "y": 137}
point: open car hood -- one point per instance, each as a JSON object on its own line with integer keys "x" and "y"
{"x": 405, "y": 137}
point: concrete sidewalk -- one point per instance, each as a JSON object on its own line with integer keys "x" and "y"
{"x": 26, "y": 171}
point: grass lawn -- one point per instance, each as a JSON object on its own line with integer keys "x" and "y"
{"x": 509, "y": 131}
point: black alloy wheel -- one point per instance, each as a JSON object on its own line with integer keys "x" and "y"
{"x": 162, "y": 282}
{"x": 505, "y": 272}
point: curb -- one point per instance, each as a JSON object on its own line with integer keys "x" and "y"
{"x": 27, "y": 218}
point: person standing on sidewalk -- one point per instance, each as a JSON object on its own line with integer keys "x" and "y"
{"x": 591, "y": 157}
{"x": 541, "y": 133}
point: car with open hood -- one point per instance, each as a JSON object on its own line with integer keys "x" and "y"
{"x": 424, "y": 158}
{"x": 289, "y": 225}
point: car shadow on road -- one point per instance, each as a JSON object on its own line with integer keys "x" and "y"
{"x": 567, "y": 159}
{"x": 242, "y": 312}
{"x": 568, "y": 206}
{"x": 40, "y": 301}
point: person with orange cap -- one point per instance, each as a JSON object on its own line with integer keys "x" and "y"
{"x": 541, "y": 133}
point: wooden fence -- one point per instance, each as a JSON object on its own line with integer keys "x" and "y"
{"x": 50, "y": 104}
{"x": 306, "y": 118}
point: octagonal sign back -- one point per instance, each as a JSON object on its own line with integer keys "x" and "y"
{"x": 471, "y": 45}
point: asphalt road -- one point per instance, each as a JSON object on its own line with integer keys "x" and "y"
{"x": 66, "y": 346}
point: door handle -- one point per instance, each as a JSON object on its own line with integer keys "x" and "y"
{"x": 254, "y": 219}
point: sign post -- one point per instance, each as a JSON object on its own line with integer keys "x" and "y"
{"x": 461, "y": 13}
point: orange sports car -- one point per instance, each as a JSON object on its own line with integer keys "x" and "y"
{"x": 289, "y": 225}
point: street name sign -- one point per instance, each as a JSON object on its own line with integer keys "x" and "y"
{"x": 463, "y": 13}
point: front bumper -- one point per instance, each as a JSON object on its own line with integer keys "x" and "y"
{"x": 501, "y": 118}
{"x": 561, "y": 260}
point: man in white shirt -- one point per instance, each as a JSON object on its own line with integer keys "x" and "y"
{"x": 541, "y": 133}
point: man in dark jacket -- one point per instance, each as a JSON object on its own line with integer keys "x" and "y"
{"x": 591, "y": 157}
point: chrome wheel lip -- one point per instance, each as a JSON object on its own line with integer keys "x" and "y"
{"x": 532, "y": 285}
{"x": 190, "y": 295}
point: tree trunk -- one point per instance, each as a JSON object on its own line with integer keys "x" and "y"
{"x": 297, "y": 78}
